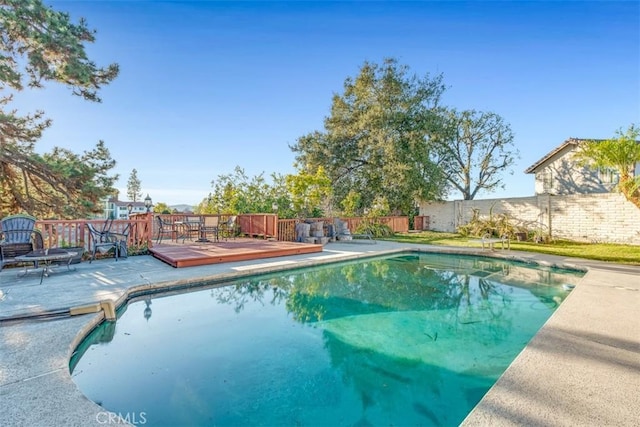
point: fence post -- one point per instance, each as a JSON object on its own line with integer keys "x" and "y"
{"x": 275, "y": 226}
{"x": 149, "y": 230}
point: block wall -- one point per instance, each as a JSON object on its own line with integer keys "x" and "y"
{"x": 605, "y": 217}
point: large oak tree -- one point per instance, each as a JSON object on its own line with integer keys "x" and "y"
{"x": 474, "y": 149}
{"x": 375, "y": 141}
{"x": 39, "y": 44}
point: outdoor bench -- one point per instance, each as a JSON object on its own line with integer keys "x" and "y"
{"x": 489, "y": 242}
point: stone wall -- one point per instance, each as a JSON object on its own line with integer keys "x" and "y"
{"x": 605, "y": 217}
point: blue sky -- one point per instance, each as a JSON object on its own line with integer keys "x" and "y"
{"x": 206, "y": 86}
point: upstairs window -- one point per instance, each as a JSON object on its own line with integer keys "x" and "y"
{"x": 608, "y": 176}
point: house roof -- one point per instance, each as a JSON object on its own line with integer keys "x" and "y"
{"x": 571, "y": 143}
{"x": 124, "y": 204}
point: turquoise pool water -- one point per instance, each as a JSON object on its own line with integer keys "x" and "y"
{"x": 413, "y": 339}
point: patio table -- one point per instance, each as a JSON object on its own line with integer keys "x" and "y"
{"x": 189, "y": 228}
{"x": 46, "y": 257}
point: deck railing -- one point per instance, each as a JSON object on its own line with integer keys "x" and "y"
{"x": 143, "y": 228}
{"x": 74, "y": 233}
{"x": 252, "y": 225}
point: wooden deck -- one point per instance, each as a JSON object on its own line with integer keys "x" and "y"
{"x": 191, "y": 254}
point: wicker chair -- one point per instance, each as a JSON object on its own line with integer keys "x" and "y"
{"x": 18, "y": 237}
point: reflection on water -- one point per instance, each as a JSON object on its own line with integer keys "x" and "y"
{"x": 406, "y": 340}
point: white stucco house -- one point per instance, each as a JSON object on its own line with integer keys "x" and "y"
{"x": 118, "y": 209}
{"x": 558, "y": 173}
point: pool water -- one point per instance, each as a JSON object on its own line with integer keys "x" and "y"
{"x": 412, "y": 339}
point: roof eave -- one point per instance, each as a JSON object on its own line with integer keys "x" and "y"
{"x": 571, "y": 141}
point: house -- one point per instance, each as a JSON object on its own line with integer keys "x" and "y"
{"x": 117, "y": 209}
{"x": 559, "y": 172}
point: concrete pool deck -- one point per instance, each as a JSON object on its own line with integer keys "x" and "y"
{"x": 582, "y": 368}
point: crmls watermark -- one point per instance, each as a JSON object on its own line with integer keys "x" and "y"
{"x": 134, "y": 418}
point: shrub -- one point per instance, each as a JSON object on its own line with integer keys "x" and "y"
{"x": 374, "y": 229}
{"x": 494, "y": 225}
{"x": 141, "y": 249}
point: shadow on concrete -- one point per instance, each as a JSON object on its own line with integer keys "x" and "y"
{"x": 574, "y": 389}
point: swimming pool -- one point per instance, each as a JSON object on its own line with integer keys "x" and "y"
{"x": 411, "y": 339}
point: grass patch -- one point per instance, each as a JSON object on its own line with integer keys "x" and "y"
{"x": 623, "y": 254}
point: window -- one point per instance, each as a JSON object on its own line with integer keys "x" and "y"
{"x": 608, "y": 176}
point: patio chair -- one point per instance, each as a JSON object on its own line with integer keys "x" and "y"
{"x": 165, "y": 227}
{"x": 18, "y": 237}
{"x": 210, "y": 224}
{"x": 104, "y": 240}
{"x": 191, "y": 227}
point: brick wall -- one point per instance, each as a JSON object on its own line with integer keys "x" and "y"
{"x": 605, "y": 217}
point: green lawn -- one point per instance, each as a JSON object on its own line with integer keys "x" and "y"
{"x": 624, "y": 254}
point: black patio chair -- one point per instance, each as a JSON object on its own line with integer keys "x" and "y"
{"x": 210, "y": 225}
{"x": 18, "y": 237}
{"x": 191, "y": 228}
{"x": 165, "y": 227}
{"x": 104, "y": 240}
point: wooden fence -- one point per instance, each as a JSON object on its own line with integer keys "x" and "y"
{"x": 287, "y": 230}
{"x": 398, "y": 224}
{"x": 421, "y": 222}
{"x": 143, "y": 228}
{"x": 287, "y": 233}
{"x": 258, "y": 225}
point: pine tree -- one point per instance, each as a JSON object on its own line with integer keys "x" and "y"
{"x": 39, "y": 44}
{"x": 134, "y": 189}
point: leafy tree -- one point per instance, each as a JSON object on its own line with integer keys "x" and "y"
{"x": 39, "y": 44}
{"x": 622, "y": 154}
{"x": 289, "y": 196}
{"x": 309, "y": 192}
{"x": 161, "y": 208}
{"x": 375, "y": 142}
{"x": 351, "y": 204}
{"x": 281, "y": 196}
{"x": 380, "y": 207}
{"x": 134, "y": 188}
{"x": 239, "y": 193}
{"x": 473, "y": 150}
